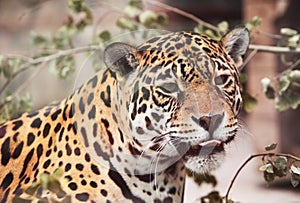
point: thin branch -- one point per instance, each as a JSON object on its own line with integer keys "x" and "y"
{"x": 31, "y": 62}
{"x": 249, "y": 57}
{"x": 183, "y": 13}
{"x": 289, "y": 156}
{"x": 273, "y": 36}
{"x": 294, "y": 65}
{"x": 273, "y": 49}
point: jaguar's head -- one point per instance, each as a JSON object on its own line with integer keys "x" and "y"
{"x": 179, "y": 95}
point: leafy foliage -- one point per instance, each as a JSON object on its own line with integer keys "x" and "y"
{"x": 52, "y": 183}
{"x": 273, "y": 168}
{"x": 137, "y": 17}
{"x": 286, "y": 86}
{"x": 289, "y": 91}
{"x": 278, "y": 166}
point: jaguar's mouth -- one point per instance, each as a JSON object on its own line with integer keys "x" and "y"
{"x": 205, "y": 149}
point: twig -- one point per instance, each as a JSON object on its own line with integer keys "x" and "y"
{"x": 273, "y": 36}
{"x": 183, "y": 13}
{"x": 294, "y": 65}
{"x": 249, "y": 159}
{"x": 30, "y": 61}
{"x": 48, "y": 58}
{"x": 273, "y": 49}
{"x": 249, "y": 57}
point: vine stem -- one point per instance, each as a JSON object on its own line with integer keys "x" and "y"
{"x": 270, "y": 154}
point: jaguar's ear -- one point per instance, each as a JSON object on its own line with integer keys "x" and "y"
{"x": 120, "y": 58}
{"x": 236, "y": 43}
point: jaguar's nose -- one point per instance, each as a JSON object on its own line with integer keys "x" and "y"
{"x": 209, "y": 123}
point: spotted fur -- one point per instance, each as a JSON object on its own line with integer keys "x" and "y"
{"x": 129, "y": 132}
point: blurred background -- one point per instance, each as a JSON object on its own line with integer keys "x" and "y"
{"x": 20, "y": 19}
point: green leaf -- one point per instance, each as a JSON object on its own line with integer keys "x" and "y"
{"x": 44, "y": 180}
{"x": 62, "y": 67}
{"x": 267, "y": 168}
{"x": 243, "y": 78}
{"x": 125, "y": 23}
{"x": 295, "y": 180}
{"x": 293, "y": 42}
{"x": 25, "y": 103}
{"x": 211, "y": 34}
{"x": 269, "y": 177}
{"x": 39, "y": 39}
{"x": 254, "y": 22}
{"x": 58, "y": 172}
{"x": 77, "y": 5}
{"x": 199, "y": 29}
{"x": 295, "y": 170}
{"x": 150, "y": 19}
{"x": 137, "y": 4}
{"x": 271, "y": 147}
{"x": 267, "y": 88}
{"x": 162, "y": 19}
{"x": 55, "y": 186}
{"x": 104, "y": 36}
{"x": 289, "y": 91}
{"x": 249, "y": 101}
{"x": 280, "y": 166}
{"x": 32, "y": 189}
{"x": 270, "y": 92}
{"x": 223, "y": 26}
{"x": 295, "y": 175}
{"x": 131, "y": 11}
{"x": 288, "y": 31}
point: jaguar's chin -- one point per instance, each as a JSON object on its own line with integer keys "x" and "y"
{"x": 204, "y": 157}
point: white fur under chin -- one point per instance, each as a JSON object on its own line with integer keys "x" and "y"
{"x": 204, "y": 163}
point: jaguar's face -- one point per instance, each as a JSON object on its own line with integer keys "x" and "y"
{"x": 183, "y": 99}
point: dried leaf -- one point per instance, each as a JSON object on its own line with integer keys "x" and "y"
{"x": 271, "y": 147}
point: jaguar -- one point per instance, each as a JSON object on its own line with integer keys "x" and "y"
{"x": 129, "y": 133}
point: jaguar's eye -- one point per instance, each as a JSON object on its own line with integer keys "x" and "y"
{"x": 221, "y": 79}
{"x": 169, "y": 87}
